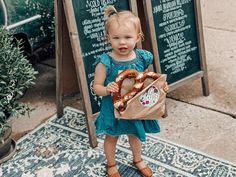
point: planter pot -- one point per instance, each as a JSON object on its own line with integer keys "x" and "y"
{"x": 5, "y": 147}
{"x": 8, "y": 147}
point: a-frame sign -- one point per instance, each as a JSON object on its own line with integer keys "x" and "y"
{"x": 80, "y": 38}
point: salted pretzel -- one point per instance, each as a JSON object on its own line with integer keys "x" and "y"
{"x": 120, "y": 102}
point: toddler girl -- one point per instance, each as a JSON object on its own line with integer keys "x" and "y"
{"x": 123, "y": 32}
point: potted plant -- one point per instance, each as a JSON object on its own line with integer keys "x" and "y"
{"x": 16, "y": 75}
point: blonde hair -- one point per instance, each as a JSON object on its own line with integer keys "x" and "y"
{"x": 121, "y": 17}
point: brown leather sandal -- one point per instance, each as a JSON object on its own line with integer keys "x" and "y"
{"x": 116, "y": 174}
{"x": 146, "y": 171}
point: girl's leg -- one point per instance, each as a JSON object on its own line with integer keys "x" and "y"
{"x": 110, "y": 149}
{"x": 136, "y": 146}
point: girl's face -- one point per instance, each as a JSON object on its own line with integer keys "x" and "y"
{"x": 123, "y": 39}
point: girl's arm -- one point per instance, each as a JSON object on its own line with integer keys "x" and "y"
{"x": 99, "y": 79}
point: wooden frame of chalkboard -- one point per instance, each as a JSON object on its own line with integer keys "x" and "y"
{"x": 80, "y": 38}
{"x": 177, "y": 42}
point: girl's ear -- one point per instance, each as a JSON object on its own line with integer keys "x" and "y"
{"x": 139, "y": 37}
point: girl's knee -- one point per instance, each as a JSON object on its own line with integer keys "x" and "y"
{"x": 111, "y": 138}
{"x": 132, "y": 138}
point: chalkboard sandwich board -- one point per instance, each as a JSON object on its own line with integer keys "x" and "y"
{"x": 82, "y": 21}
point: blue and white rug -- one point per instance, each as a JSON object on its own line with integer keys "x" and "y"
{"x": 60, "y": 147}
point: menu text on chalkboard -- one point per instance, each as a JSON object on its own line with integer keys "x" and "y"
{"x": 176, "y": 34}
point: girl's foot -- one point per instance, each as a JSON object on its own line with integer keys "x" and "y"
{"x": 143, "y": 168}
{"x": 112, "y": 171}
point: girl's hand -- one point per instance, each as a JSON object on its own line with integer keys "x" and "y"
{"x": 112, "y": 87}
{"x": 166, "y": 87}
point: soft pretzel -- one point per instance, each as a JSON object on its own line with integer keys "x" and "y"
{"x": 119, "y": 101}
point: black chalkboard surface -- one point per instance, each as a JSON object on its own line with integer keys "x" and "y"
{"x": 177, "y": 39}
{"x": 89, "y": 16}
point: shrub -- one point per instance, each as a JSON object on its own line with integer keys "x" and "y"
{"x": 16, "y": 75}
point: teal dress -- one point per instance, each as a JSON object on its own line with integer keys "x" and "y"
{"x": 106, "y": 123}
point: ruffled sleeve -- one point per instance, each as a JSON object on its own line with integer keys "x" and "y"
{"x": 104, "y": 59}
{"x": 146, "y": 56}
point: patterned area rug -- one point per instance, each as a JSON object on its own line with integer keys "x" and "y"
{"x": 60, "y": 147}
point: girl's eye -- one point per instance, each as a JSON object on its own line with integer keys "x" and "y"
{"x": 115, "y": 37}
{"x": 128, "y": 37}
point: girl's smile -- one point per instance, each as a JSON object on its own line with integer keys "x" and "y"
{"x": 123, "y": 49}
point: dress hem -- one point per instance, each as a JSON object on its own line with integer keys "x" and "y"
{"x": 110, "y": 134}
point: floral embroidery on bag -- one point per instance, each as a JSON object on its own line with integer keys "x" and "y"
{"x": 150, "y": 97}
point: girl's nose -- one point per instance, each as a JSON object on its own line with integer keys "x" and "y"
{"x": 122, "y": 41}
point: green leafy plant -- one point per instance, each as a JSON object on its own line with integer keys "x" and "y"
{"x": 16, "y": 75}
